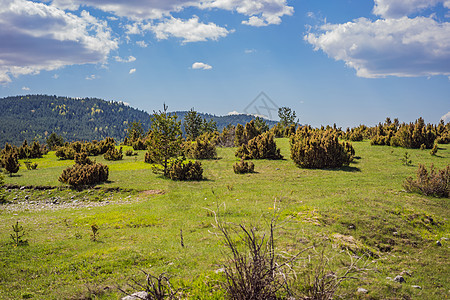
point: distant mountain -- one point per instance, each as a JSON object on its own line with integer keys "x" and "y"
{"x": 37, "y": 116}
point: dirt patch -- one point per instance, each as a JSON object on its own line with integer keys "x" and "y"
{"x": 152, "y": 192}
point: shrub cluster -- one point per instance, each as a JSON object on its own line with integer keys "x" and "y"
{"x": 10, "y": 162}
{"x": 244, "y": 134}
{"x": 113, "y": 154}
{"x": 185, "y": 171}
{"x": 319, "y": 149}
{"x": 84, "y": 172}
{"x": 413, "y": 135}
{"x": 25, "y": 151}
{"x": 130, "y": 152}
{"x": 93, "y": 148}
{"x": 261, "y": 147}
{"x": 201, "y": 148}
{"x": 243, "y": 167}
{"x": 430, "y": 183}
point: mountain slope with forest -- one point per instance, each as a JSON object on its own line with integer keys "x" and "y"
{"x": 37, "y": 116}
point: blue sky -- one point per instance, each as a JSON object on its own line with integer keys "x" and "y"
{"x": 347, "y": 62}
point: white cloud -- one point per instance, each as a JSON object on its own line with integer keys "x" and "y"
{"x": 132, "y": 71}
{"x": 401, "y": 8}
{"x": 91, "y": 77}
{"x": 201, "y": 66}
{"x": 446, "y": 117}
{"x": 260, "y": 12}
{"x": 25, "y": 88}
{"x": 56, "y": 76}
{"x": 42, "y": 37}
{"x": 142, "y": 44}
{"x": 127, "y": 60}
{"x": 249, "y": 51}
{"x": 269, "y": 11}
{"x": 403, "y": 47}
{"x": 189, "y": 30}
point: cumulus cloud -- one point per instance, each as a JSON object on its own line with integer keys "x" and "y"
{"x": 142, "y": 44}
{"x": 201, "y": 66}
{"x": 91, "y": 77}
{"x": 42, "y": 37}
{"x": 189, "y": 30}
{"x": 261, "y": 13}
{"x": 125, "y": 60}
{"x": 25, "y": 88}
{"x": 446, "y": 117}
{"x": 403, "y": 47}
{"x": 401, "y": 8}
{"x": 132, "y": 71}
{"x": 268, "y": 11}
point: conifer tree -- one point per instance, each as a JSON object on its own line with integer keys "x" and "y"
{"x": 165, "y": 142}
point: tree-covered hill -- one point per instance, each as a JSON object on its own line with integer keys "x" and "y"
{"x": 37, "y": 116}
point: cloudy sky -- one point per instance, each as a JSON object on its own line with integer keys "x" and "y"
{"x": 332, "y": 61}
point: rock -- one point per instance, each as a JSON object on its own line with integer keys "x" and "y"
{"x": 438, "y": 243}
{"x": 399, "y": 278}
{"x": 444, "y": 238}
{"x": 277, "y": 169}
{"x": 351, "y": 226}
{"x": 22, "y": 188}
{"x": 136, "y": 296}
{"x": 27, "y": 197}
{"x": 362, "y": 291}
{"x": 406, "y": 273}
{"x": 221, "y": 270}
{"x": 416, "y": 287}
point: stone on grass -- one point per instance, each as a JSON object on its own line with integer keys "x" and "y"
{"x": 399, "y": 278}
{"x": 136, "y": 296}
{"x": 362, "y": 291}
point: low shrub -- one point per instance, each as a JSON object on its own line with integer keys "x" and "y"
{"x": 434, "y": 182}
{"x": 10, "y": 162}
{"x": 243, "y": 167}
{"x": 65, "y": 153}
{"x": 201, "y": 148}
{"x": 261, "y": 147}
{"x": 180, "y": 170}
{"x": 113, "y": 154}
{"x": 139, "y": 145}
{"x": 320, "y": 149}
{"x": 130, "y": 152}
{"x": 84, "y": 172}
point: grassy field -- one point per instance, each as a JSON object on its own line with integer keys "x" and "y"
{"x": 362, "y": 208}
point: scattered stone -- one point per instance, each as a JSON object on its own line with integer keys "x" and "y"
{"x": 72, "y": 197}
{"x": 22, "y": 188}
{"x": 444, "y": 238}
{"x": 399, "y": 278}
{"x": 406, "y": 273}
{"x": 438, "y": 243}
{"x": 351, "y": 226}
{"x": 15, "y": 198}
{"x": 362, "y": 291}
{"x": 221, "y": 270}
{"x": 27, "y": 197}
{"x": 395, "y": 233}
{"x": 136, "y": 296}
{"x": 416, "y": 287}
{"x": 277, "y": 169}
{"x": 388, "y": 278}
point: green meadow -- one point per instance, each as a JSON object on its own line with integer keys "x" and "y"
{"x": 142, "y": 216}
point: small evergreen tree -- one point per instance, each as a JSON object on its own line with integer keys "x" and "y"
{"x": 165, "y": 141}
{"x": 10, "y": 162}
{"x": 192, "y": 124}
{"x": 135, "y": 132}
{"x": 287, "y": 116}
{"x": 54, "y": 141}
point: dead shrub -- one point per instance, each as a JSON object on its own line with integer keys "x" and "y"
{"x": 434, "y": 182}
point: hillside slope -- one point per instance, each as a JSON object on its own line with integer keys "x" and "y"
{"x": 37, "y": 116}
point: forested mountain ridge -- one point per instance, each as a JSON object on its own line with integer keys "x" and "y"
{"x": 37, "y": 116}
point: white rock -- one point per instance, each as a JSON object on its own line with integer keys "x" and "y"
{"x": 361, "y": 290}
{"x": 136, "y": 296}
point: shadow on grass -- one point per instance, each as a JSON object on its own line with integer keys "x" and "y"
{"x": 347, "y": 169}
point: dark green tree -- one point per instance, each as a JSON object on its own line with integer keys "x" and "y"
{"x": 208, "y": 126}
{"x": 287, "y": 116}
{"x": 54, "y": 141}
{"x": 165, "y": 140}
{"x": 135, "y": 132}
{"x": 261, "y": 125}
{"x": 193, "y": 124}
{"x": 10, "y": 162}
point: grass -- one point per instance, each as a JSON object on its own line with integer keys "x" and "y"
{"x": 362, "y": 208}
